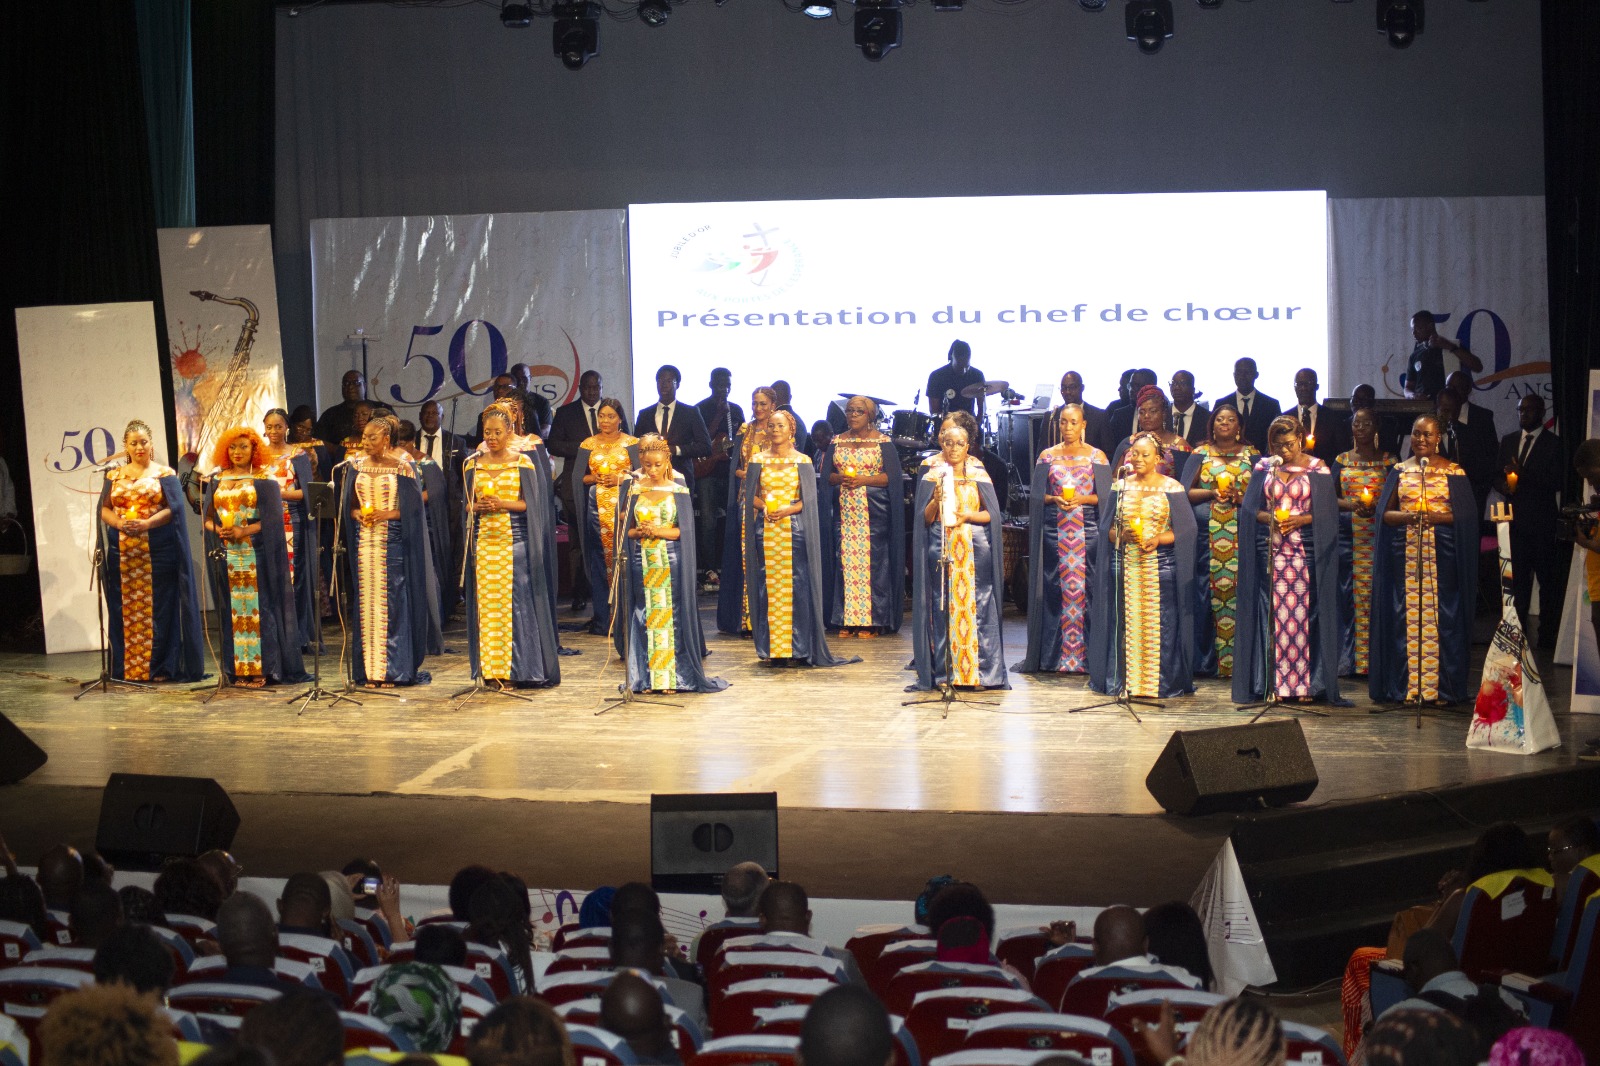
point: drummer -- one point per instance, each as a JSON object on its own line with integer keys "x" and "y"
{"x": 946, "y": 385}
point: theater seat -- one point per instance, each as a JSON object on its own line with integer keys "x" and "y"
{"x": 220, "y": 998}
{"x": 994, "y": 1056}
{"x": 1582, "y": 883}
{"x": 465, "y": 979}
{"x": 1054, "y": 970}
{"x": 556, "y": 989}
{"x": 868, "y": 943}
{"x": 210, "y": 967}
{"x": 1021, "y": 948}
{"x": 192, "y": 928}
{"x": 1125, "y": 1011}
{"x": 493, "y": 966}
{"x": 1507, "y": 923}
{"x": 16, "y": 940}
{"x": 737, "y": 966}
{"x": 26, "y": 992}
{"x": 749, "y": 1050}
{"x": 1306, "y": 1045}
{"x": 362, "y": 1032}
{"x": 940, "y": 1019}
{"x": 592, "y": 1046}
{"x": 905, "y": 985}
{"x": 712, "y": 937}
{"x": 583, "y": 957}
{"x": 733, "y": 1011}
{"x": 572, "y": 936}
{"x": 327, "y": 959}
{"x": 1087, "y": 996}
{"x": 70, "y": 958}
{"x": 686, "y": 1035}
{"x": 1089, "y": 1038}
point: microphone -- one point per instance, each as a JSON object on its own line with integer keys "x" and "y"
{"x": 1275, "y": 462}
{"x": 1422, "y": 461}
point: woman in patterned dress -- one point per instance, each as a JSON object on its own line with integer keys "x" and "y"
{"x": 1288, "y": 575}
{"x": 1424, "y": 578}
{"x": 733, "y": 605}
{"x": 292, "y": 467}
{"x": 783, "y": 552}
{"x": 1153, "y": 417}
{"x": 509, "y": 635}
{"x": 386, "y": 545}
{"x": 152, "y": 604}
{"x": 605, "y": 459}
{"x": 1142, "y": 616}
{"x": 864, "y": 504}
{"x": 1219, "y": 477}
{"x": 248, "y": 560}
{"x": 1362, "y": 472}
{"x": 657, "y": 607}
{"x": 957, "y": 572}
{"x": 1063, "y": 525}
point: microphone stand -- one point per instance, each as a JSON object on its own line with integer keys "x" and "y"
{"x": 1122, "y": 698}
{"x": 626, "y": 695}
{"x": 219, "y": 555}
{"x": 319, "y": 503}
{"x": 104, "y": 682}
{"x": 347, "y": 664}
{"x": 947, "y": 693}
{"x": 478, "y": 688}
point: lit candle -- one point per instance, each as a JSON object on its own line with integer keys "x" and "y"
{"x": 1224, "y": 481}
{"x": 1069, "y": 492}
{"x": 1281, "y": 514}
{"x": 1311, "y": 441}
{"x": 849, "y": 471}
{"x": 226, "y": 518}
{"x": 1366, "y": 497}
{"x": 133, "y": 512}
{"x": 1511, "y": 480}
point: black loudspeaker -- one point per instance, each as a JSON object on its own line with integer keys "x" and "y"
{"x": 1234, "y": 768}
{"x": 696, "y": 837}
{"x": 146, "y": 819}
{"x": 19, "y": 756}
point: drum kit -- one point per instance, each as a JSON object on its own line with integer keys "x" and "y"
{"x": 1016, "y": 437}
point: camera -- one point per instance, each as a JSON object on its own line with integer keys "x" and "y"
{"x": 369, "y": 886}
{"x": 1576, "y": 518}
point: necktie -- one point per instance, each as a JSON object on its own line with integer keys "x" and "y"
{"x": 588, "y": 412}
{"x": 1246, "y": 404}
{"x": 1183, "y": 424}
{"x": 1527, "y": 446}
{"x": 1305, "y": 417}
{"x": 666, "y": 418}
{"x": 427, "y": 445}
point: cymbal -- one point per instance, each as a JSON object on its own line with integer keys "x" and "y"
{"x": 988, "y": 388}
{"x": 879, "y": 400}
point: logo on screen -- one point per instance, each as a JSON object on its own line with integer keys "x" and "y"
{"x": 734, "y": 265}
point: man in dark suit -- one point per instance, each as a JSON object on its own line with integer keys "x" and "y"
{"x": 1469, "y": 450}
{"x": 1536, "y": 456}
{"x": 1190, "y": 420}
{"x": 338, "y": 421}
{"x": 723, "y": 419}
{"x": 535, "y": 408}
{"x": 679, "y": 422}
{"x": 1330, "y": 432}
{"x": 1478, "y": 419}
{"x": 1119, "y": 422}
{"x": 1256, "y": 409}
{"x": 573, "y": 424}
{"x": 1094, "y": 418}
{"x": 449, "y": 450}
{"x": 802, "y": 435}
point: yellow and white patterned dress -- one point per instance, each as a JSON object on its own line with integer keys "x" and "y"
{"x": 1144, "y": 510}
{"x": 496, "y": 545}
{"x": 862, "y": 458}
{"x": 780, "y": 486}
{"x": 377, "y": 488}
{"x": 658, "y": 507}
{"x": 966, "y": 663}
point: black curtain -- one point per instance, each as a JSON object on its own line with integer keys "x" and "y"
{"x": 78, "y": 200}
{"x": 1572, "y": 204}
{"x": 233, "y": 69}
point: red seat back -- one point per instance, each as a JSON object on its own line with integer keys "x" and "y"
{"x": 939, "y": 1021}
{"x": 556, "y": 995}
{"x": 1188, "y": 1007}
{"x": 558, "y": 939}
{"x": 904, "y": 986}
{"x": 1582, "y": 883}
{"x": 326, "y": 964}
{"x": 711, "y": 941}
{"x": 739, "y": 966}
{"x": 219, "y": 998}
{"x": 572, "y": 959}
{"x": 769, "y": 1051}
{"x": 26, "y": 993}
{"x": 16, "y": 940}
{"x": 1089, "y": 1038}
{"x": 362, "y": 1033}
{"x": 493, "y": 966}
{"x": 1019, "y": 948}
{"x": 1506, "y": 931}
{"x": 1086, "y": 996}
{"x": 733, "y": 1011}
{"x": 868, "y": 944}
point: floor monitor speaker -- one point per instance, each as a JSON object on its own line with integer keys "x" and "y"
{"x": 19, "y": 756}
{"x": 696, "y": 837}
{"x": 1233, "y": 768}
{"x": 146, "y": 819}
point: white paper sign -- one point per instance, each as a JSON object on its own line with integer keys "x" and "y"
{"x": 1238, "y": 951}
{"x": 87, "y": 370}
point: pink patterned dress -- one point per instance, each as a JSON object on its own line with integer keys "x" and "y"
{"x": 1292, "y": 596}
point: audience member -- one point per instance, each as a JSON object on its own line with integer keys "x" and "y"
{"x": 638, "y": 897}
{"x": 22, "y": 901}
{"x": 60, "y": 875}
{"x": 305, "y": 906}
{"x": 224, "y": 868}
{"x": 1502, "y": 846}
{"x": 1569, "y": 843}
{"x": 632, "y": 1009}
{"x": 1120, "y": 943}
{"x": 1436, "y": 982}
{"x": 846, "y": 1026}
{"x": 139, "y": 905}
{"x": 341, "y": 900}
{"x": 1535, "y": 1047}
{"x": 741, "y": 891}
{"x": 1176, "y": 937}
{"x": 522, "y": 1031}
{"x": 134, "y": 955}
{"x": 299, "y": 1028}
{"x": 638, "y": 942}
{"x": 358, "y": 870}
{"x": 499, "y": 920}
{"x": 595, "y": 911}
{"x": 466, "y": 881}
{"x": 785, "y": 924}
{"x": 186, "y": 887}
{"x": 440, "y": 945}
{"x": 419, "y": 1000}
{"x": 107, "y": 1025}
{"x": 1240, "y": 1032}
{"x": 97, "y": 868}
{"x": 1421, "y": 1038}
{"x": 249, "y": 940}
{"x": 95, "y": 913}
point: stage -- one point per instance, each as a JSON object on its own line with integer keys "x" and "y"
{"x": 1038, "y": 804}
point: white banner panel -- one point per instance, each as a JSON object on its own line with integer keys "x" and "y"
{"x": 1478, "y": 263}
{"x": 865, "y": 296}
{"x": 447, "y": 302}
{"x": 221, "y": 299}
{"x": 86, "y": 372}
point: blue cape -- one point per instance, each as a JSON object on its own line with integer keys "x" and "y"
{"x": 1105, "y": 621}
{"x": 1456, "y": 562}
{"x": 177, "y": 651}
{"x": 535, "y": 657}
{"x": 411, "y": 624}
{"x": 1044, "y": 579}
{"x": 926, "y": 645}
{"x": 886, "y": 510}
{"x": 275, "y": 594}
{"x": 594, "y": 552}
{"x": 730, "y": 596}
{"x": 1254, "y": 598}
{"x": 691, "y": 644}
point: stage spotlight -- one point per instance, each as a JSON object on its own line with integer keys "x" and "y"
{"x": 877, "y": 27}
{"x": 576, "y": 35}
{"x": 1149, "y": 23}
{"x": 1400, "y": 21}
{"x": 819, "y": 9}
{"x": 654, "y": 12}
{"x": 948, "y": 5}
{"x": 515, "y": 16}
{"x": 1092, "y": 5}
{"x": 1209, "y": 5}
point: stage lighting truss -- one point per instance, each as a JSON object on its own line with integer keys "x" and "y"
{"x": 878, "y": 27}
{"x": 1400, "y": 21}
{"x": 1149, "y": 23}
{"x": 576, "y": 34}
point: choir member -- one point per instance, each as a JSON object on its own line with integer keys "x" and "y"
{"x": 733, "y": 602}
{"x": 863, "y": 501}
{"x": 605, "y": 459}
{"x": 1362, "y": 473}
{"x": 293, "y": 467}
{"x": 1218, "y": 479}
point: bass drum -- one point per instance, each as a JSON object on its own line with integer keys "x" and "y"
{"x": 1014, "y": 540}
{"x": 910, "y": 427}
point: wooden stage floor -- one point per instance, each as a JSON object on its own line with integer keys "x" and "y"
{"x": 829, "y": 739}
